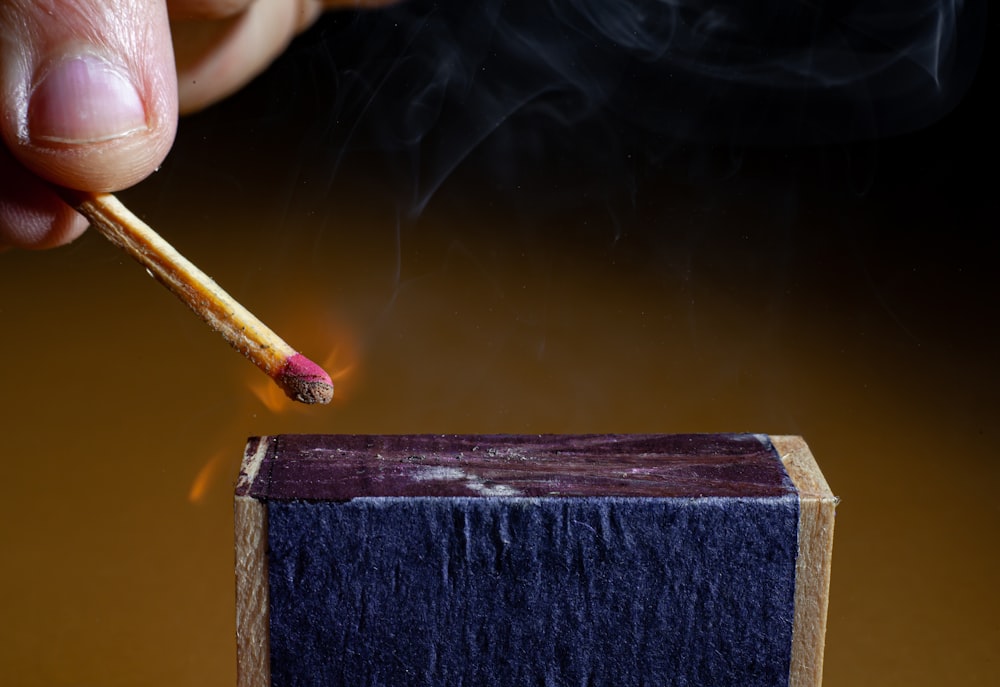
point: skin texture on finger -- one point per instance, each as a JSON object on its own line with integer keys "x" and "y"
{"x": 31, "y": 215}
{"x": 60, "y": 62}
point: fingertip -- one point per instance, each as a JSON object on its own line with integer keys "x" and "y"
{"x": 95, "y": 125}
{"x": 38, "y": 229}
{"x": 33, "y": 217}
{"x": 91, "y": 96}
{"x": 218, "y": 56}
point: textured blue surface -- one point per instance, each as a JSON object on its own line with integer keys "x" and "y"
{"x": 532, "y": 591}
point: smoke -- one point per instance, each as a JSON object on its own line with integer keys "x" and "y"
{"x": 586, "y": 84}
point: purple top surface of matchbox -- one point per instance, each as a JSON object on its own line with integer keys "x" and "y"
{"x": 345, "y": 467}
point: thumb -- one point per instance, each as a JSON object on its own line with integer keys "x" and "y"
{"x": 88, "y": 94}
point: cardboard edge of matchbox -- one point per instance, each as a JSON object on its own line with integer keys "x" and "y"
{"x": 252, "y": 603}
{"x": 817, "y": 506}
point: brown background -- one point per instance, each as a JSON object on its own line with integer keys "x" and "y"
{"x": 844, "y": 293}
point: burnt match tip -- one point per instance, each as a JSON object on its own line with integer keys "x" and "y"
{"x": 305, "y": 381}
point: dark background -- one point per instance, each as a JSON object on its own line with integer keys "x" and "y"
{"x": 524, "y": 217}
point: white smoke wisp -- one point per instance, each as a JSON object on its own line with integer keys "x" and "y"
{"x": 515, "y": 80}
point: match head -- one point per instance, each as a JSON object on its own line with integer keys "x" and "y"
{"x": 304, "y": 381}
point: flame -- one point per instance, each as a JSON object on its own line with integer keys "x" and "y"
{"x": 205, "y": 477}
{"x": 341, "y": 364}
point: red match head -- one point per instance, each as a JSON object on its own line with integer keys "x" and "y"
{"x": 305, "y": 381}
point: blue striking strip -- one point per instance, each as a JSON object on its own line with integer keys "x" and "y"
{"x": 512, "y": 590}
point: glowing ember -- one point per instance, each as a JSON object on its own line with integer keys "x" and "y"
{"x": 340, "y": 363}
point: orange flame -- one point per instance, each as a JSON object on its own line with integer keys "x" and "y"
{"x": 206, "y": 476}
{"x": 341, "y": 363}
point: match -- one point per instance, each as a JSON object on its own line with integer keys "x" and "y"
{"x": 300, "y": 378}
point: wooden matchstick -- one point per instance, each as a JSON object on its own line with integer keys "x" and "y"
{"x": 300, "y": 378}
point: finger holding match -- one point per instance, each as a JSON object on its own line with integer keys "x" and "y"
{"x": 300, "y": 378}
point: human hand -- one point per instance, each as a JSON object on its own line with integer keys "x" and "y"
{"x": 90, "y": 91}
